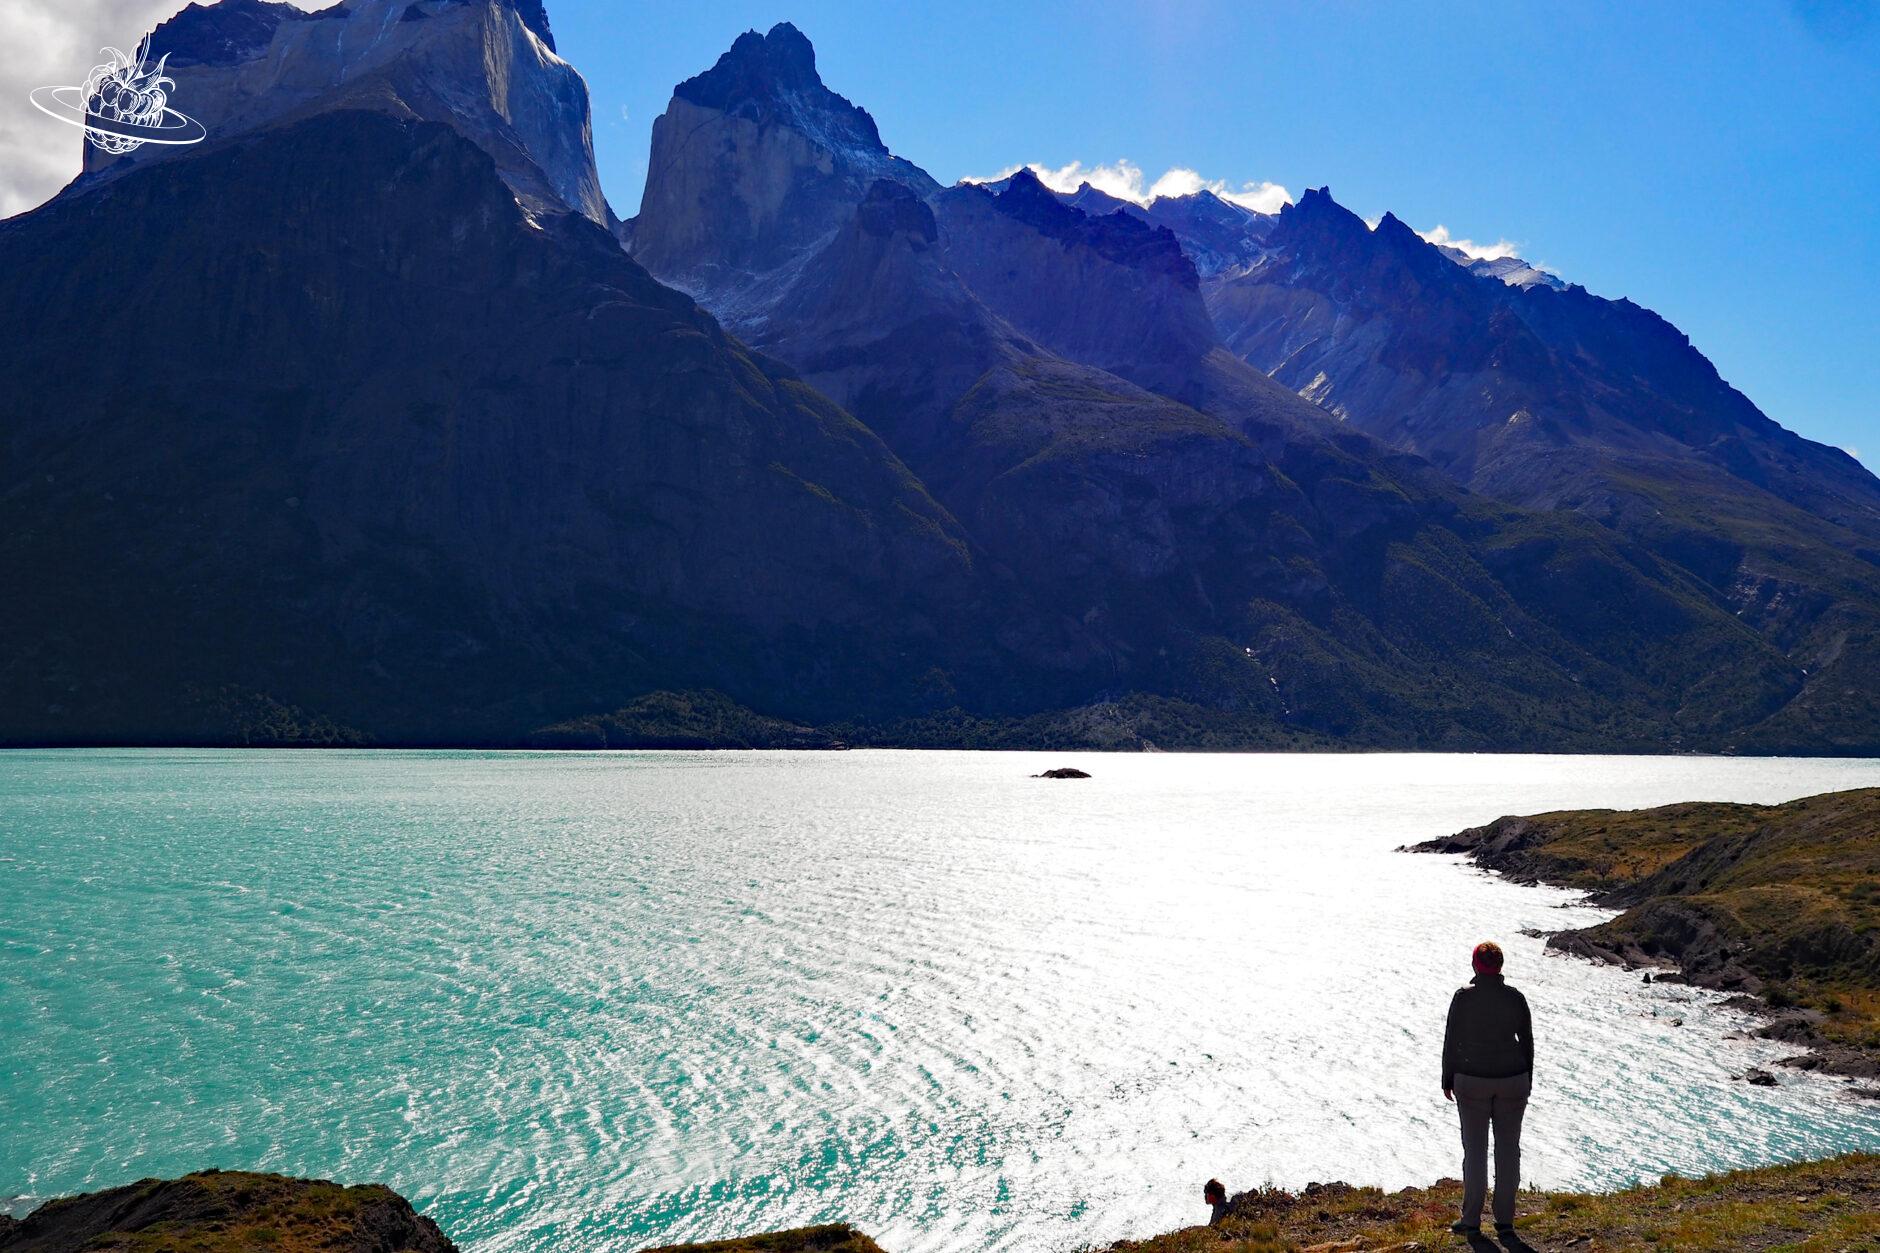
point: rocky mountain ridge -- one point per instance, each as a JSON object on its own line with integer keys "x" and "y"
{"x": 487, "y": 68}
{"x": 450, "y": 466}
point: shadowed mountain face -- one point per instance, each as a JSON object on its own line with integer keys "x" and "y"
{"x": 1110, "y": 291}
{"x": 412, "y": 461}
{"x": 1244, "y": 557}
{"x": 422, "y": 453}
{"x": 1479, "y": 376}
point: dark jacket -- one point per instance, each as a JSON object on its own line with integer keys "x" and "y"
{"x": 1490, "y": 1033}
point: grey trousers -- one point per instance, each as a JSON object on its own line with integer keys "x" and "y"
{"x": 1484, "y": 1103}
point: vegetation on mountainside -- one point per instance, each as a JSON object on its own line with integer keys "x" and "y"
{"x": 681, "y": 720}
{"x": 1813, "y": 1207}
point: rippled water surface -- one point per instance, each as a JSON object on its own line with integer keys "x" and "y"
{"x": 584, "y": 1002}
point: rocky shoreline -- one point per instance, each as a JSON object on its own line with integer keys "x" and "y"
{"x": 1740, "y": 899}
{"x": 214, "y": 1211}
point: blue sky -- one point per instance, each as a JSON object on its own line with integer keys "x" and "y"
{"x": 1719, "y": 163}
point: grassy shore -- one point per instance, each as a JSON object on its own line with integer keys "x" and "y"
{"x": 1814, "y": 1207}
{"x": 1780, "y": 903}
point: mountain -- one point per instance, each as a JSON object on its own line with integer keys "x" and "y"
{"x": 755, "y": 163}
{"x": 1556, "y": 398}
{"x": 1053, "y": 377}
{"x": 1108, "y": 291}
{"x": 486, "y": 68}
{"x": 366, "y": 420}
{"x": 402, "y": 458}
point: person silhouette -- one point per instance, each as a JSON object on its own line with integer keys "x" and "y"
{"x": 1214, "y": 1192}
{"x": 1488, "y": 1071}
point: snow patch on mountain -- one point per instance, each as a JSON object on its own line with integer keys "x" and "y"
{"x": 1125, "y": 181}
{"x": 1498, "y": 260}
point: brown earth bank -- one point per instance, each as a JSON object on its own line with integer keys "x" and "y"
{"x": 1829, "y": 1206}
{"x": 1778, "y": 904}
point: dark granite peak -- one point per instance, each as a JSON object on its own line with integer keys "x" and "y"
{"x": 1316, "y": 215}
{"x": 772, "y": 77}
{"x": 1030, "y": 201}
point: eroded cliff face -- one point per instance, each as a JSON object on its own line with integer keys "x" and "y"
{"x": 755, "y": 164}
{"x": 487, "y": 68}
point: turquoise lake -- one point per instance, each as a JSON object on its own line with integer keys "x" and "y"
{"x": 597, "y": 1001}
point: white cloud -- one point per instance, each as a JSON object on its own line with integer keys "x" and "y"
{"x": 1126, "y": 181}
{"x": 49, "y": 43}
{"x": 1481, "y": 252}
{"x": 1851, "y": 451}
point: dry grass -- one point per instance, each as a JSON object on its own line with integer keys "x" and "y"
{"x": 1812, "y": 1207}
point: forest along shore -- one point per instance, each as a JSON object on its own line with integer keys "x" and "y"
{"x": 1777, "y": 904}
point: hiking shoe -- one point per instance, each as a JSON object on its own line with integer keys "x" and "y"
{"x": 1466, "y": 1229}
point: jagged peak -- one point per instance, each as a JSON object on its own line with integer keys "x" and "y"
{"x": 1390, "y": 226}
{"x": 1027, "y": 198}
{"x": 1121, "y": 236}
{"x": 1317, "y": 200}
{"x": 1418, "y": 253}
{"x": 1316, "y": 213}
{"x": 772, "y": 78}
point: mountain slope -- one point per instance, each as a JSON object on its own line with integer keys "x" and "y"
{"x": 358, "y": 421}
{"x": 1245, "y": 556}
{"x": 1561, "y": 400}
{"x": 409, "y": 458}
